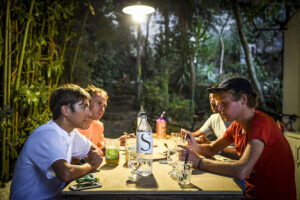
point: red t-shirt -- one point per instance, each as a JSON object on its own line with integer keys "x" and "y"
{"x": 273, "y": 175}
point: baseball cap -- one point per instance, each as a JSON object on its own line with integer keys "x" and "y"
{"x": 236, "y": 84}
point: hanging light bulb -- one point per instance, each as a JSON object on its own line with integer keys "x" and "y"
{"x": 138, "y": 11}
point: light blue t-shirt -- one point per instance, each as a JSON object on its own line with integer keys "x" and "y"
{"x": 33, "y": 176}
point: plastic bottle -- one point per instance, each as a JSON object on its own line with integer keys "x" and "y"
{"x": 139, "y": 116}
{"x": 144, "y": 143}
{"x": 161, "y": 128}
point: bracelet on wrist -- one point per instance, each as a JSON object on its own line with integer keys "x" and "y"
{"x": 199, "y": 163}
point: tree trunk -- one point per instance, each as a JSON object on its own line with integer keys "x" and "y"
{"x": 245, "y": 46}
{"x": 222, "y": 45}
{"x": 193, "y": 80}
{"x": 167, "y": 52}
{"x": 222, "y": 55}
{"x": 191, "y": 63}
{"x": 167, "y": 32}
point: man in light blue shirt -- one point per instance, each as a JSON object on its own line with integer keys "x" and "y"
{"x": 43, "y": 167}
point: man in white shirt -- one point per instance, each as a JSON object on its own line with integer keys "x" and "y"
{"x": 214, "y": 125}
{"x": 43, "y": 167}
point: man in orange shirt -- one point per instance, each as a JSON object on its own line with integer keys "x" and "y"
{"x": 94, "y": 129}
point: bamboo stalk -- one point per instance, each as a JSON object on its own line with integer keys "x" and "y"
{"x": 66, "y": 41}
{"x": 6, "y": 54}
{"x": 4, "y": 160}
{"x": 77, "y": 47}
{"x": 67, "y": 38}
{"x": 28, "y": 65}
{"x": 23, "y": 49}
{"x": 9, "y": 61}
{"x": 9, "y": 92}
{"x": 2, "y": 48}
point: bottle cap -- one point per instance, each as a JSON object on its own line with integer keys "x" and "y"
{"x": 162, "y": 115}
{"x": 141, "y": 111}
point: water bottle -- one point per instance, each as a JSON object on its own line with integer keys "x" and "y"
{"x": 139, "y": 116}
{"x": 144, "y": 143}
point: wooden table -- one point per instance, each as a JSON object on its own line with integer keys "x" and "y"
{"x": 159, "y": 185}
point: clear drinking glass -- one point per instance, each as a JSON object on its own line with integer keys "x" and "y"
{"x": 172, "y": 153}
{"x": 172, "y": 144}
{"x": 129, "y": 147}
{"x": 133, "y": 164}
{"x": 184, "y": 172}
{"x": 172, "y": 160}
{"x": 175, "y": 136}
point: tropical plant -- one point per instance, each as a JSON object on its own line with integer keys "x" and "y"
{"x": 35, "y": 37}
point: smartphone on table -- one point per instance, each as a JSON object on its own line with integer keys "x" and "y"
{"x": 83, "y": 186}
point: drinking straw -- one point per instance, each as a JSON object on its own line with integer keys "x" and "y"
{"x": 186, "y": 160}
{"x": 184, "y": 139}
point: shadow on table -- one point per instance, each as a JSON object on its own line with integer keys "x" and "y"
{"x": 197, "y": 172}
{"x": 125, "y": 165}
{"x": 108, "y": 167}
{"x": 144, "y": 182}
{"x": 190, "y": 186}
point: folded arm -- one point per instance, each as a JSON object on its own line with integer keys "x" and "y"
{"x": 67, "y": 172}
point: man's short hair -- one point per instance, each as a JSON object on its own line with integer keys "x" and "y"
{"x": 237, "y": 86}
{"x": 252, "y": 100}
{"x": 67, "y": 94}
{"x": 92, "y": 90}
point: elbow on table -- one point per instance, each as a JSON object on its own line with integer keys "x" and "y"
{"x": 66, "y": 177}
{"x": 64, "y": 174}
{"x": 242, "y": 174}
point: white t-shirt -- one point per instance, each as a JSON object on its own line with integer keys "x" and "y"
{"x": 215, "y": 125}
{"x": 33, "y": 176}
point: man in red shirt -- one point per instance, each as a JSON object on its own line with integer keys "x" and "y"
{"x": 266, "y": 161}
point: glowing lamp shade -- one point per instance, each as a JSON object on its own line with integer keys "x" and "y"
{"x": 138, "y": 12}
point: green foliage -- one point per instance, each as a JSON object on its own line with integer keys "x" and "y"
{"x": 155, "y": 97}
{"x": 33, "y": 95}
{"x": 179, "y": 109}
{"x": 41, "y": 69}
{"x": 113, "y": 53}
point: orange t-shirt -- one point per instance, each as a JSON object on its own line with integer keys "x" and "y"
{"x": 95, "y": 133}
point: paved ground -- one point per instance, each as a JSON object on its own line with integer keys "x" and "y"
{"x": 4, "y": 192}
